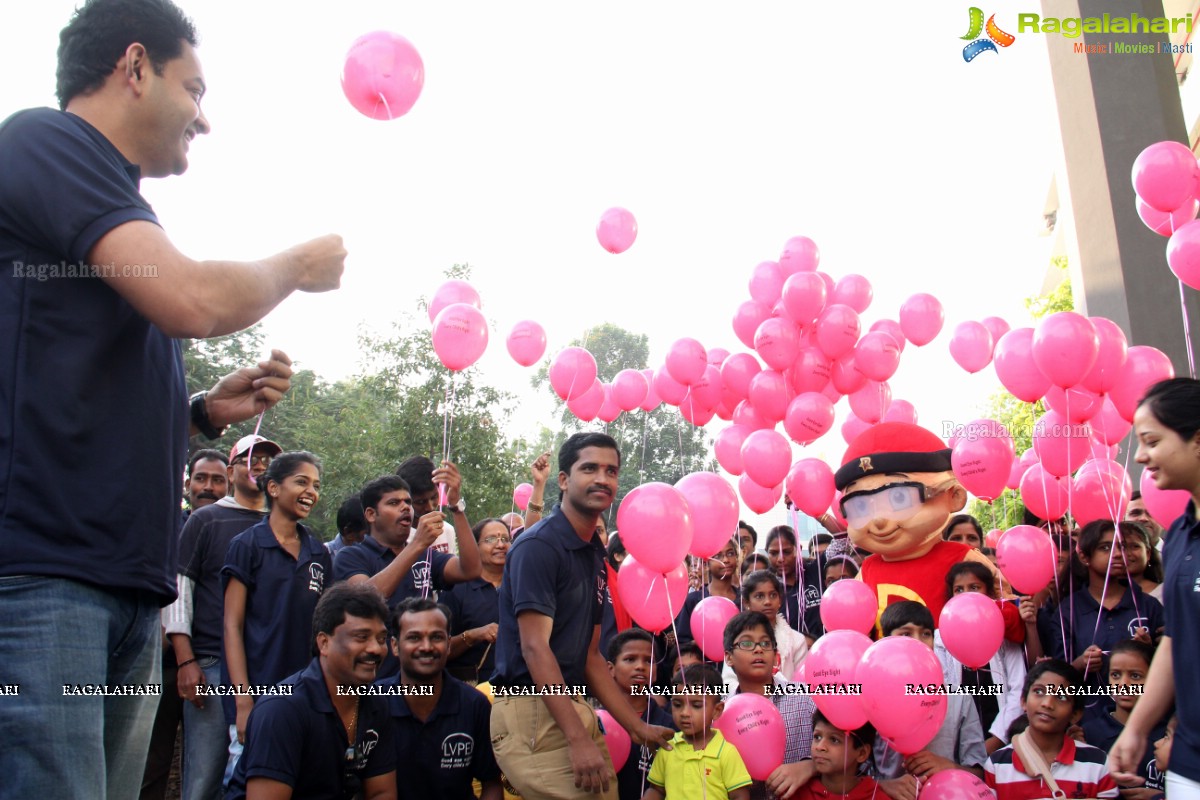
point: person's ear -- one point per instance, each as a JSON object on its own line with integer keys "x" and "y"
{"x": 958, "y": 498}
{"x": 136, "y": 63}
{"x": 718, "y": 708}
{"x": 323, "y": 641}
{"x": 370, "y": 514}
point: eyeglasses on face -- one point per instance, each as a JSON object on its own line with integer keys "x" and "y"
{"x": 494, "y": 539}
{"x": 257, "y": 460}
{"x": 749, "y": 645}
{"x": 897, "y": 501}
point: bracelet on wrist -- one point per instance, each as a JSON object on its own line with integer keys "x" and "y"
{"x": 535, "y": 507}
{"x": 185, "y": 663}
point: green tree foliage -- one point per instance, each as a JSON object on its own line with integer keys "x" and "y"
{"x": 655, "y": 446}
{"x": 1018, "y": 416}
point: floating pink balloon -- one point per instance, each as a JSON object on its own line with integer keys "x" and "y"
{"x": 1015, "y": 473}
{"x": 652, "y": 400}
{"x": 983, "y": 458}
{"x": 716, "y": 356}
{"x": 872, "y": 401}
{"x": 686, "y": 360}
{"x": 737, "y": 372}
{"x": 769, "y": 395}
{"x": 521, "y": 495}
{"x": 1165, "y": 223}
{"x": 838, "y": 328}
{"x": 777, "y": 342}
{"x": 854, "y": 291}
{"x": 997, "y": 327}
{"x": 727, "y": 447}
{"x": 892, "y": 329}
{"x": 526, "y": 342}
{"x": 810, "y": 485}
{"x": 460, "y": 335}
{"x": 877, "y": 355}
{"x": 694, "y": 413}
{"x": 809, "y": 417}
{"x": 629, "y": 389}
{"x": 1183, "y": 253}
{"x": 708, "y": 621}
{"x": 885, "y": 669}
{"x": 849, "y": 606}
{"x": 382, "y": 75}
{"x": 1075, "y": 404}
{"x": 707, "y": 390}
{"x": 587, "y": 405}
{"x": 616, "y": 230}
{"x": 451, "y": 292}
{"x": 651, "y": 598}
{"x": 971, "y": 346}
{"x": 713, "y": 505}
{"x": 845, "y": 376}
{"x": 616, "y": 739}
{"x": 1065, "y": 346}
{"x": 759, "y": 499}
{"x": 1144, "y": 367}
{"x": 609, "y": 409}
{"x": 746, "y": 414}
{"x": 1108, "y": 426}
{"x": 804, "y": 297}
{"x": 1165, "y": 174}
{"x": 747, "y": 318}
{"x": 753, "y": 725}
{"x": 852, "y": 427}
{"x": 1165, "y": 505}
{"x": 656, "y": 525}
{"x": 916, "y": 738}
{"x": 1061, "y": 446}
{"x": 670, "y": 390}
{"x": 972, "y": 628}
{"x": 1046, "y": 495}
{"x": 921, "y": 318}
{"x": 992, "y": 538}
{"x": 766, "y": 283}
{"x": 1016, "y": 368}
{"x": 1101, "y": 491}
{"x": 833, "y": 661}
{"x": 901, "y": 411}
{"x": 1027, "y": 558}
{"x": 572, "y": 372}
{"x": 955, "y": 784}
{"x": 800, "y": 254}
{"x": 766, "y": 457}
{"x": 1114, "y": 350}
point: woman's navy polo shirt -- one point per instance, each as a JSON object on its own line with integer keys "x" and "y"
{"x": 472, "y": 605}
{"x": 1181, "y": 591}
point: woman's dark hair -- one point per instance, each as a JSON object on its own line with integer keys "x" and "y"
{"x": 97, "y": 36}
{"x": 761, "y": 576}
{"x": 615, "y": 548}
{"x": 284, "y": 466}
{"x": 975, "y": 568}
{"x": 781, "y": 531}
{"x": 959, "y": 519}
{"x": 1176, "y": 404}
{"x": 477, "y": 528}
{"x": 1146, "y": 651}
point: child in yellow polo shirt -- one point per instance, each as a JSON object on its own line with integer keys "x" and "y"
{"x": 702, "y": 765}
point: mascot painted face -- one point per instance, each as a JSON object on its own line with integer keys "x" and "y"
{"x": 898, "y": 493}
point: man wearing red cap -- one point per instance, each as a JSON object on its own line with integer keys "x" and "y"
{"x": 898, "y": 493}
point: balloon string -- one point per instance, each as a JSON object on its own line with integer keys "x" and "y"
{"x": 386, "y": 107}
{"x": 257, "y": 427}
{"x": 1187, "y": 334}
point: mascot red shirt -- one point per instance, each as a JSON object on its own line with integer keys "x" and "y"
{"x": 898, "y": 493}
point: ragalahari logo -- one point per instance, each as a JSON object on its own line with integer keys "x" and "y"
{"x": 995, "y": 36}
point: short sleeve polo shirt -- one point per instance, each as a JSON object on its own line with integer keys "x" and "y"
{"x": 472, "y": 605}
{"x": 1181, "y": 591}
{"x": 369, "y": 557}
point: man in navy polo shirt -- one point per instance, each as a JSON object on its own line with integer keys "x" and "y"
{"x": 443, "y": 737}
{"x": 328, "y": 738}
{"x": 93, "y": 404}
{"x": 386, "y": 557}
{"x": 550, "y": 745}
{"x": 423, "y": 481}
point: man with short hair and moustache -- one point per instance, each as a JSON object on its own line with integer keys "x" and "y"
{"x": 207, "y": 479}
{"x": 444, "y": 734}
{"x": 1137, "y": 512}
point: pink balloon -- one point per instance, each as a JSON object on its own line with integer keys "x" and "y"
{"x": 1016, "y": 368}
{"x": 829, "y": 284}
{"x": 1144, "y": 367}
{"x": 1046, "y": 495}
{"x": 916, "y": 738}
{"x": 1165, "y": 223}
{"x": 747, "y": 318}
{"x": 1065, "y": 347}
{"x": 1061, "y": 446}
{"x": 766, "y": 283}
{"x": 849, "y": 606}
{"x": 955, "y": 784}
{"x": 656, "y": 526}
{"x": 651, "y": 598}
{"x": 854, "y": 291}
{"x": 1165, "y": 505}
{"x": 833, "y": 661}
{"x": 572, "y": 372}
{"x": 616, "y": 230}
{"x": 652, "y": 400}
{"x": 1183, "y": 253}
{"x": 997, "y": 327}
{"x": 686, "y": 360}
{"x": 810, "y": 371}
{"x": 753, "y": 725}
{"x": 693, "y": 412}
{"x": 1114, "y": 350}
{"x": 1164, "y": 175}
{"x": 737, "y": 372}
{"x": 877, "y": 355}
{"x": 1015, "y": 473}
{"x": 521, "y": 495}
{"x": 629, "y": 389}
{"x": 992, "y": 537}
{"x": 746, "y": 414}
{"x": 382, "y": 75}
{"x": 810, "y": 485}
{"x": 972, "y": 628}
{"x": 716, "y": 356}
{"x": 1027, "y": 558}
{"x": 758, "y": 499}
{"x": 804, "y": 297}
{"x": 872, "y": 401}
{"x": 670, "y": 390}
{"x": 714, "y": 509}
{"x": 809, "y": 417}
{"x": 921, "y": 318}
{"x": 609, "y": 409}
{"x": 845, "y": 375}
{"x": 769, "y": 395}
{"x": 982, "y": 459}
{"x": 460, "y": 335}
{"x": 706, "y": 391}
{"x": 892, "y": 329}
{"x": 832, "y": 394}
{"x": 451, "y": 292}
{"x": 777, "y": 342}
{"x": 1102, "y": 451}
{"x": 800, "y": 254}
{"x": 766, "y": 457}
{"x": 837, "y": 330}
{"x": 1075, "y": 404}
{"x": 616, "y": 739}
{"x": 587, "y": 405}
{"x": 727, "y": 447}
{"x": 971, "y": 346}
{"x": 708, "y": 621}
{"x": 852, "y": 427}
{"x": 1101, "y": 491}
{"x": 901, "y": 411}
{"x": 526, "y": 343}
{"x": 888, "y": 666}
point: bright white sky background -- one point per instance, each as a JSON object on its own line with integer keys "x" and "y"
{"x": 725, "y": 128}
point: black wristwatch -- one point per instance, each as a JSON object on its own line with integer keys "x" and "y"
{"x": 200, "y": 420}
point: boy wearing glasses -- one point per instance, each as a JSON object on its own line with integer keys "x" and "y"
{"x": 750, "y": 650}
{"x": 898, "y": 494}
{"x": 1043, "y": 761}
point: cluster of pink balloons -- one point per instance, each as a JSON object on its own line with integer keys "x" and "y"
{"x": 1166, "y": 179}
{"x": 383, "y": 75}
